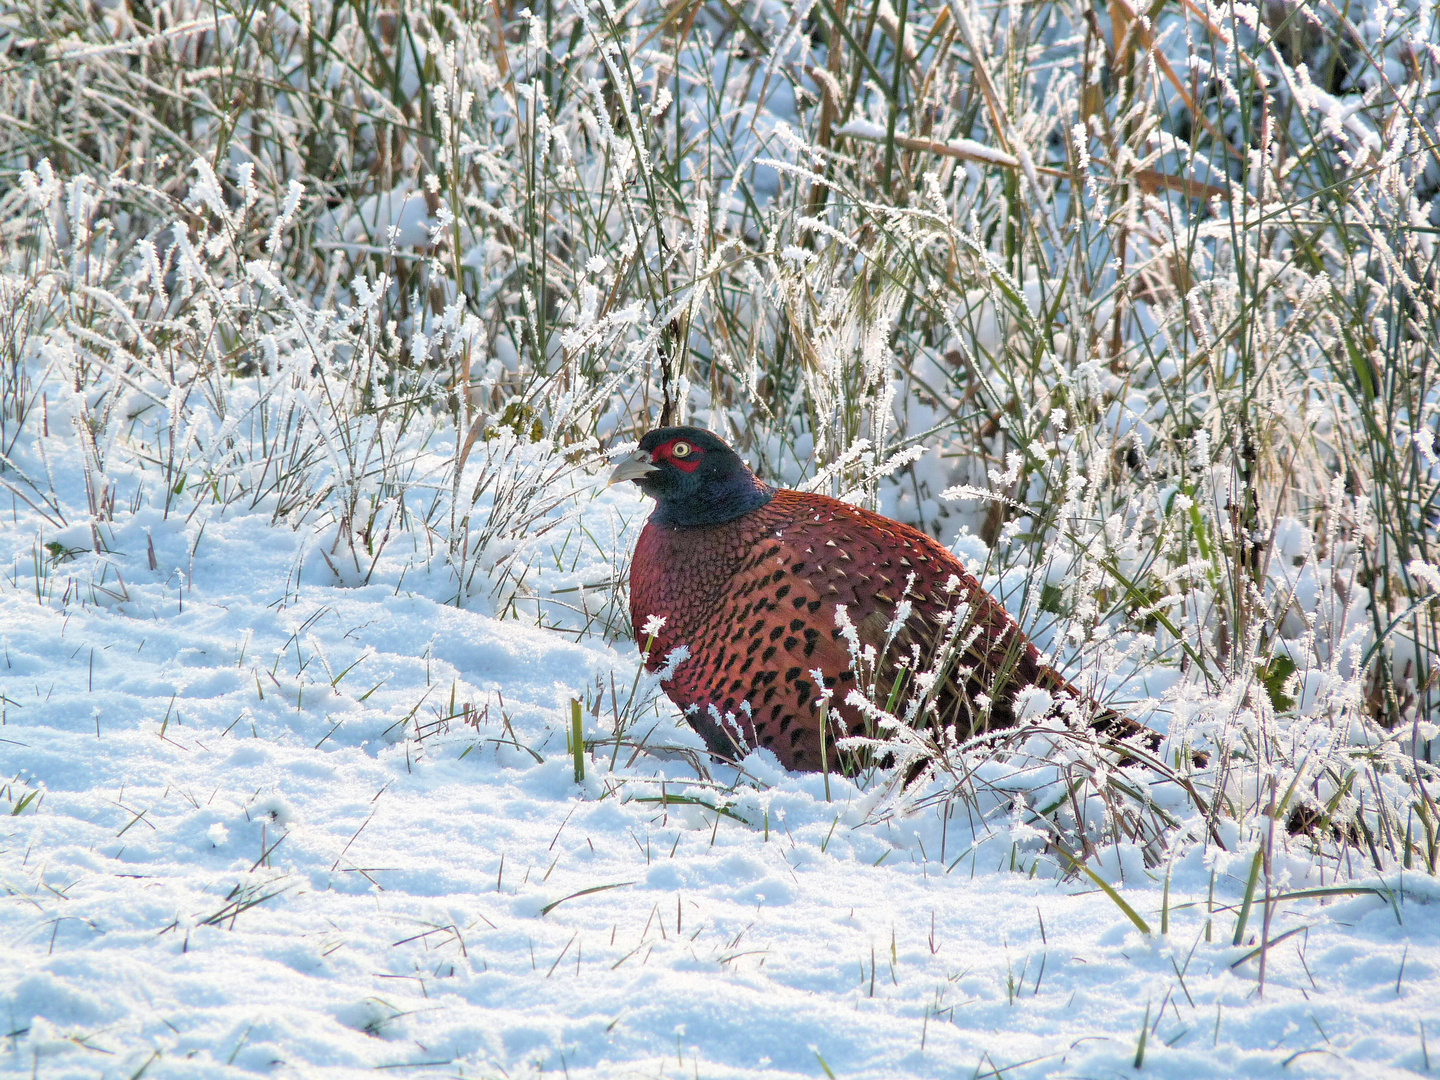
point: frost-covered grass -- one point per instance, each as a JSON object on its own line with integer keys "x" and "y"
{"x": 317, "y": 322}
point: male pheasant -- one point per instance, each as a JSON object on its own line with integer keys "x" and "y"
{"x": 748, "y": 578}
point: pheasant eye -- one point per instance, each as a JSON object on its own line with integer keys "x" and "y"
{"x": 680, "y": 449}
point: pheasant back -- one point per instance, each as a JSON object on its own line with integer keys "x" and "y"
{"x": 755, "y": 602}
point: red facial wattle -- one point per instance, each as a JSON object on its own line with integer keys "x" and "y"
{"x": 681, "y": 453}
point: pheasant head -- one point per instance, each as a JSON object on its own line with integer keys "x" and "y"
{"x": 695, "y": 479}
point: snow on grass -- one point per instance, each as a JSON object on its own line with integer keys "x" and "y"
{"x": 256, "y": 829}
{"x": 277, "y": 805}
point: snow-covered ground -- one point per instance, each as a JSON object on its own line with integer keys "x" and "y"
{"x": 251, "y": 832}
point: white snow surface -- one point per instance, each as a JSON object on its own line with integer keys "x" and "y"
{"x": 331, "y": 879}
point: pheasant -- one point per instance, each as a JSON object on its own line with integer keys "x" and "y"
{"x": 747, "y": 581}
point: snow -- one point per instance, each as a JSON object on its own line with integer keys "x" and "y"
{"x": 269, "y": 818}
{"x": 861, "y": 128}
{"x": 397, "y": 218}
{"x": 965, "y": 149}
{"x": 969, "y": 148}
{"x": 260, "y": 838}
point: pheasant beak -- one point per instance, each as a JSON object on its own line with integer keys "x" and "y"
{"x": 633, "y": 467}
